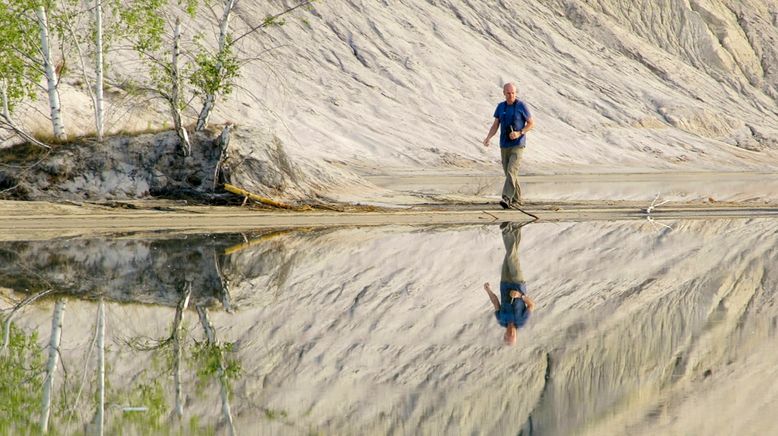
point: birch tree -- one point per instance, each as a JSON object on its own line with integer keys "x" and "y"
{"x": 50, "y": 73}
{"x": 144, "y": 23}
{"x": 176, "y": 102}
{"x": 99, "y": 112}
{"x": 215, "y": 73}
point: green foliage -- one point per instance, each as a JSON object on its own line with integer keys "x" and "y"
{"x": 208, "y": 359}
{"x": 273, "y": 415}
{"x": 19, "y": 45}
{"x": 21, "y": 382}
{"x": 144, "y": 24}
{"x": 215, "y": 74}
{"x": 271, "y": 20}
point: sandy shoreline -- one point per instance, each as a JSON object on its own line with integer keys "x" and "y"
{"x": 421, "y": 199}
{"x": 41, "y": 220}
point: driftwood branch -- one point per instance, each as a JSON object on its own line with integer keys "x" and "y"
{"x": 248, "y": 195}
{"x": 651, "y": 208}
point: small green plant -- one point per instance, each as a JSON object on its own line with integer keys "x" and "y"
{"x": 273, "y": 415}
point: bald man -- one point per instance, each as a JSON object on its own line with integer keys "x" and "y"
{"x": 513, "y": 118}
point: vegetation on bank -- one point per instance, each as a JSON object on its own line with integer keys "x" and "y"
{"x": 42, "y": 41}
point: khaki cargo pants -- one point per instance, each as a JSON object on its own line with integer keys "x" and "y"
{"x": 511, "y": 159}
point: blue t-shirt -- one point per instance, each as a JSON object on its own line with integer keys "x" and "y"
{"x": 512, "y": 311}
{"x": 513, "y": 116}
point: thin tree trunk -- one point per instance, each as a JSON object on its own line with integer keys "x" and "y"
{"x": 178, "y": 350}
{"x": 175, "y": 93}
{"x": 51, "y": 367}
{"x": 224, "y": 142}
{"x": 99, "y": 69}
{"x": 210, "y": 98}
{"x": 100, "y": 367}
{"x": 4, "y": 96}
{"x": 51, "y": 76}
{"x": 210, "y": 334}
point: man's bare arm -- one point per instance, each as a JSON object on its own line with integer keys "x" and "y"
{"x": 528, "y": 302}
{"x": 492, "y": 131}
{"x": 529, "y": 125}
{"x": 493, "y": 298}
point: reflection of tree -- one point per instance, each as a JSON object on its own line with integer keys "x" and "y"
{"x": 178, "y": 350}
{"x": 100, "y": 418}
{"x": 20, "y": 389}
{"x": 212, "y": 359}
{"x": 51, "y": 366}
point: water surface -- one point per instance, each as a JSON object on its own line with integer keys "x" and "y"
{"x": 636, "y": 328}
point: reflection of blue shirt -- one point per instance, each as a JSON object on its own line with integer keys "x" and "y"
{"x": 514, "y": 117}
{"x": 516, "y": 311}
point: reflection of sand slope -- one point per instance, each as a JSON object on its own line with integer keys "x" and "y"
{"x": 372, "y": 332}
{"x": 387, "y": 330}
{"x": 654, "y": 347}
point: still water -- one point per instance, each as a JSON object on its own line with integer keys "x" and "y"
{"x": 620, "y": 328}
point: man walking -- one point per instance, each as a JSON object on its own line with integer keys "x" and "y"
{"x": 513, "y": 118}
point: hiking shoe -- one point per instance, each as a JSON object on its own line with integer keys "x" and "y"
{"x": 504, "y": 204}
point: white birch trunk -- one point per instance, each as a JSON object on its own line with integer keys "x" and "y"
{"x": 175, "y": 93}
{"x": 51, "y": 367}
{"x": 210, "y": 334}
{"x": 4, "y": 96}
{"x": 51, "y": 76}
{"x": 210, "y": 98}
{"x": 99, "y": 70}
{"x": 100, "y": 367}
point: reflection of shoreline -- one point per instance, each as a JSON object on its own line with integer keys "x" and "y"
{"x": 130, "y": 271}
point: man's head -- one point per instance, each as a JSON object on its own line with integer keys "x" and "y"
{"x": 509, "y": 91}
{"x": 510, "y": 334}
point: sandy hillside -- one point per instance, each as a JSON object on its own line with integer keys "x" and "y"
{"x": 614, "y": 85}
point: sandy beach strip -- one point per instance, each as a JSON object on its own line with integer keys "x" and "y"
{"x": 42, "y": 220}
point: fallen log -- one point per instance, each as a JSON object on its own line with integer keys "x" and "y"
{"x": 255, "y": 197}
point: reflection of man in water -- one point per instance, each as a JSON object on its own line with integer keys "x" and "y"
{"x": 514, "y": 306}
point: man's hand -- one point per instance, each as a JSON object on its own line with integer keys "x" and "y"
{"x": 487, "y": 287}
{"x": 486, "y": 142}
{"x": 513, "y": 135}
